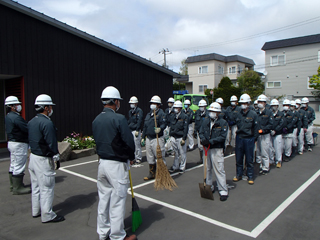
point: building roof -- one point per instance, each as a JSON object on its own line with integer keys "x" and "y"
{"x": 63, "y": 26}
{"x": 218, "y": 57}
{"x": 290, "y": 42}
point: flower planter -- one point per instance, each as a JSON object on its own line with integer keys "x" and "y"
{"x": 82, "y": 153}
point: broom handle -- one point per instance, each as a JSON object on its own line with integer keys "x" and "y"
{"x": 131, "y": 184}
{"x": 155, "y": 124}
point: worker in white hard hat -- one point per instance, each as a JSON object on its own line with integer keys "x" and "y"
{"x": 115, "y": 148}
{"x": 311, "y": 117}
{"x": 296, "y": 129}
{"x": 17, "y": 133}
{"x": 288, "y": 130}
{"x": 223, "y": 111}
{"x": 135, "y": 122}
{"x": 276, "y": 133}
{"x": 44, "y": 160}
{"x": 265, "y": 122}
{"x": 149, "y": 135}
{"x": 303, "y": 126}
{"x": 169, "y": 112}
{"x": 247, "y": 135}
{"x": 190, "y": 115}
{"x": 213, "y": 133}
{"x": 200, "y": 115}
{"x": 231, "y": 113}
{"x": 179, "y": 131}
{"x": 255, "y": 105}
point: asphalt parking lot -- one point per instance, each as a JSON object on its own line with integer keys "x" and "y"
{"x": 285, "y": 204}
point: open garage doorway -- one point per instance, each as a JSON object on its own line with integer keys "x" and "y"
{"x": 10, "y": 85}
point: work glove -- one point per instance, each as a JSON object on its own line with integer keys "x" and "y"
{"x": 305, "y": 130}
{"x": 56, "y": 159}
{"x": 273, "y": 132}
{"x": 157, "y": 130}
{"x": 182, "y": 142}
{"x": 136, "y": 133}
{"x": 205, "y": 142}
{"x": 285, "y": 130}
{"x": 143, "y": 142}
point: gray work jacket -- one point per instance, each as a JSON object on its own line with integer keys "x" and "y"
{"x": 135, "y": 119}
{"x": 16, "y": 128}
{"x": 247, "y": 124}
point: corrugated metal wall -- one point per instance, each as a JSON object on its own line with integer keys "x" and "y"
{"x": 72, "y": 71}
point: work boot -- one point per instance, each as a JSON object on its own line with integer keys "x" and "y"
{"x": 18, "y": 187}
{"x": 10, "y": 178}
{"x": 132, "y": 237}
{"x": 201, "y": 157}
{"x": 309, "y": 148}
{"x": 152, "y": 172}
{"x": 279, "y": 165}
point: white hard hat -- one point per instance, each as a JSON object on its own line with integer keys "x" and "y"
{"x": 133, "y": 99}
{"x": 215, "y": 107}
{"x": 155, "y": 99}
{"x": 274, "y": 102}
{"x": 177, "y": 104}
{"x": 298, "y": 101}
{"x": 245, "y": 98}
{"x": 219, "y": 100}
{"x": 171, "y": 100}
{"x": 304, "y": 100}
{"x": 202, "y": 103}
{"x": 43, "y": 100}
{"x": 255, "y": 102}
{"x": 286, "y": 102}
{"x": 293, "y": 103}
{"x": 11, "y": 100}
{"x": 110, "y": 93}
{"x": 187, "y": 101}
{"x": 233, "y": 98}
{"x": 262, "y": 98}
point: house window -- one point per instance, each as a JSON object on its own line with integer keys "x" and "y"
{"x": 232, "y": 70}
{"x": 220, "y": 70}
{"x": 203, "y": 88}
{"x": 278, "y": 60}
{"x": 203, "y": 69}
{"x": 274, "y": 84}
{"x": 309, "y": 86}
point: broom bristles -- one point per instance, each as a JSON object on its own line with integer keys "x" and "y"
{"x": 136, "y": 216}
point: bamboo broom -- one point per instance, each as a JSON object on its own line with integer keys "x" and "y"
{"x": 163, "y": 177}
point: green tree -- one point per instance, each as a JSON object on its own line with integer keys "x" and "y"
{"x": 224, "y": 90}
{"x": 178, "y": 86}
{"x": 183, "y": 67}
{"x": 250, "y": 83}
{"x": 315, "y": 83}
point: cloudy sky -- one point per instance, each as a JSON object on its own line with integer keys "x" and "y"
{"x": 187, "y": 27}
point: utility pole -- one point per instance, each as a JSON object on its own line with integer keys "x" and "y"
{"x": 165, "y": 52}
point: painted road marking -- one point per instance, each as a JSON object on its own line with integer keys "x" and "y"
{"x": 254, "y": 233}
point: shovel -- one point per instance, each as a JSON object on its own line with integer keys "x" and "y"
{"x": 205, "y": 191}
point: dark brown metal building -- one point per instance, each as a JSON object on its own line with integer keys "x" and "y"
{"x": 39, "y": 54}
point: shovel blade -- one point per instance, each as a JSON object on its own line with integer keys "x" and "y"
{"x": 205, "y": 191}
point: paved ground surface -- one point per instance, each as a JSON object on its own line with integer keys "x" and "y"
{"x": 285, "y": 204}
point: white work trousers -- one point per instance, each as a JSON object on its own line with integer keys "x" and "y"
{"x": 199, "y": 143}
{"x": 263, "y": 150}
{"x": 190, "y": 136}
{"x": 137, "y": 143}
{"x": 151, "y": 150}
{"x": 295, "y": 138}
{"x": 215, "y": 161}
{"x": 179, "y": 151}
{"x": 301, "y": 141}
{"x": 112, "y": 183}
{"x": 309, "y": 136}
{"x": 18, "y": 157}
{"x": 277, "y": 148}
{"x": 287, "y": 144}
{"x": 42, "y": 177}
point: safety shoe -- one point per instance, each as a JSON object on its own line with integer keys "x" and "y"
{"x": 132, "y": 237}
{"x": 171, "y": 170}
{"x": 309, "y": 149}
{"x": 223, "y": 198}
{"x": 265, "y": 172}
{"x": 236, "y": 178}
{"x": 286, "y": 159}
{"x": 56, "y": 219}
{"x": 250, "y": 181}
{"x": 181, "y": 171}
{"x": 137, "y": 162}
{"x": 300, "y": 153}
{"x": 279, "y": 165}
{"x": 39, "y": 215}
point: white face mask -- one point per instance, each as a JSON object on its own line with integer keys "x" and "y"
{"x": 297, "y": 106}
{"x": 260, "y": 105}
{"x": 233, "y": 103}
{"x": 303, "y": 105}
{"x": 201, "y": 109}
{"x": 244, "y": 106}
{"x": 213, "y": 115}
{"x": 18, "y": 108}
{"x": 275, "y": 108}
{"x": 153, "y": 106}
{"x": 176, "y": 110}
{"x": 285, "y": 108}
{"x": 118, "y": 106}
{"x": 170, "y": 105}
{"x": 292, "y": 108}
{"x": 50, "y": 113}
{"x": 132, "y": 105}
